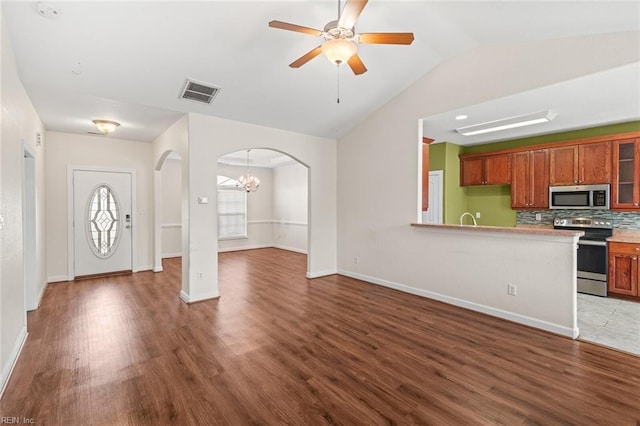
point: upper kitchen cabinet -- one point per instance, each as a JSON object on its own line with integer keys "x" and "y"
{"x": 583, "y": 164}
{"x": 485, "y": 169}
{"x": 529, "y": 180}
{"x": 625, "y": 187}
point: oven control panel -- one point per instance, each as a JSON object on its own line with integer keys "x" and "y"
{"x": 582, "y": 222}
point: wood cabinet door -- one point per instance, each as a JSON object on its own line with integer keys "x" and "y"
{"x": 623, "y": 274}
{"x": 539, "y": 178}
{"x": 497, "y": 169}
{"x": 520, "y": 180}
{"x": 594, "y": 163}
{"x": 471, "y": 171}
{"x": 625, "y": 179}
{"x": 563, "y": 165}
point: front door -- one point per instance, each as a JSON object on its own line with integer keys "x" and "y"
{"x": 102, "y": 222}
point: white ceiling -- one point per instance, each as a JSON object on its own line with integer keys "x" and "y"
{"x": 127, "y": 61}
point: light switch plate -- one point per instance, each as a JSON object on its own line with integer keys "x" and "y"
{"x": 203, "y": 200}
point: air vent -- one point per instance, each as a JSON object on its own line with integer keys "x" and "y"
{"x": 199, "y": 92}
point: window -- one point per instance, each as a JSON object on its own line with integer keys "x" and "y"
{"x": 103, "y": 221}
{"x": 232, "y": 209}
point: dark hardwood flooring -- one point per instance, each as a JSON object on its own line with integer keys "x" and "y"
{"x": 277, "y": 348}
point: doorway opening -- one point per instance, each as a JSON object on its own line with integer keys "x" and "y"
{"x": 275, "y": 215}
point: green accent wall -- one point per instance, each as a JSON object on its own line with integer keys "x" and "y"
{"x": 494, "y": 204}
{"x": 444, "y": 156}
{"x": 494, "y": 201}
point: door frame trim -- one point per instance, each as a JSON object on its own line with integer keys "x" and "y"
{"x": 70, "y": 213}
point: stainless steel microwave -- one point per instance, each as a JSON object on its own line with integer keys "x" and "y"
{"x": 580, "y": 197}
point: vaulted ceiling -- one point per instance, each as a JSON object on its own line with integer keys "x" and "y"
{"x": 128, "y": 61}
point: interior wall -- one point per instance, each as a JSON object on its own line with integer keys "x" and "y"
{"x": 290, "y": 210}
{"x": 375, "y": 212}
{"x": 19, "y": 123}
{"x": 211, "y": 137}
{"x": 64, "y": 150}
{"x": 171, "y": 211}
{"x": 259, "y": 210}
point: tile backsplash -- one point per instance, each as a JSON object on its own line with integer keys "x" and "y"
{"x": 621, "y": 220}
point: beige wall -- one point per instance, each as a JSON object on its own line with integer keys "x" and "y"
{"x": 378, "y": 188}
{"x": 19, "y": 124}
{"x": 65, "y": 150}
{"x": 171, "y": 211}
{"x": 290, "y": 210}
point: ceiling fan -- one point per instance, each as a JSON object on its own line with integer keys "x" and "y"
{"x": 341, "y": 40}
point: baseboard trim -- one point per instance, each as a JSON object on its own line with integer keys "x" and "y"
{"x": 251, "y": 247}
{"x": 158, "y": 269}
{"x": 166, "y": 255}
{"x": 499, "y": 313}
{"x": 199, "y": 298}
{"x": 318, "y": 274}
{"x": 288, "y": 248}
{"x": 13, "y": 359}
{"x": 41, "y": 295}
{"x": 143, "y": 268}
{"x": 58, "y": 278}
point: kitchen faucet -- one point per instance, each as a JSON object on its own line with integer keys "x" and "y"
{"x": 472, "y": 218}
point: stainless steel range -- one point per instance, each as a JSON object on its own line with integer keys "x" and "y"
{"x": 592, "y": 251}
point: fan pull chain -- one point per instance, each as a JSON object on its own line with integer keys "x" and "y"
{"x": 338, "y": 86}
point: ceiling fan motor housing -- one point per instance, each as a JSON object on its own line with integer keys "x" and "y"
{"x": 333, "y": 32}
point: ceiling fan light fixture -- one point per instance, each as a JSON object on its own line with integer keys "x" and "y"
{"x": 339, "y": 51}
{"x": 106, "y": 126}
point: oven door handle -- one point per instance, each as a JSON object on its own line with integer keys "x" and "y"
{"x": 592, "y": 243}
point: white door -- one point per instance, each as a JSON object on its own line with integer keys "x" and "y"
{"x": 102, "y": 222}
{"x": 434, "y": 214}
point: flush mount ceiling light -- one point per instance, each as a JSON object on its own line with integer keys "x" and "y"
{"x": 106, "y": 126}
{"x": 507, "y": 123}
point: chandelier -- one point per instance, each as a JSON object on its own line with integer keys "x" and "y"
{"x": 248, "y": 182}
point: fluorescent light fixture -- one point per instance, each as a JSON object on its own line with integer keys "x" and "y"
{"x": 507, "y": 123}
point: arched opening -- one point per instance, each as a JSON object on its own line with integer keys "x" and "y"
{"x": 275, "y": 215}
{"x": 169, "y": 209}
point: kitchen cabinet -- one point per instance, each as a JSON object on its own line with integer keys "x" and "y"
{"x": 529, "y": 179}
{"x": 485, "y": 170}
{"x": 623, "y": 271}
{"x": 625, "y": 184}
{"x": 582, "y": 164}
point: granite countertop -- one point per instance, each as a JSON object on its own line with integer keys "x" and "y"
{"x": 510, "y": 230}
{"x": 625, "y": 236}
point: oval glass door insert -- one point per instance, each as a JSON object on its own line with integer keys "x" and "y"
{"x": 103, "y": 221}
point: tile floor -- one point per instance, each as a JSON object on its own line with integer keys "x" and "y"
{"x": 609, "y": 322}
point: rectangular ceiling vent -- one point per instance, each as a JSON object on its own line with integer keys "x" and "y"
{"x": 199, "y": 92}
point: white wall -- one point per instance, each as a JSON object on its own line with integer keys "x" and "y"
{"x": 378, "y": 184}
{"x": 19, "y": 123}
{"x": 65, "y": 149}
{"x": 259, "y": 210}
{"x": 211, "y": 137}
{"x": 290, "y": 202}
{"x": 171, "y": 211}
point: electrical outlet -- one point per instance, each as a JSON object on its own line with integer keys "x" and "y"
{"x": 477, "y": 215}
{"x": 538, "y": 216}
{"x": 200, "y": 275}
{"x": 356, "y": 260}
{"x": 1, "y": 222}
{"x": 512, "y": 289}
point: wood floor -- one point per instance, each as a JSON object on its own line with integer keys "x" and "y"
{"x": 277, "y": 348}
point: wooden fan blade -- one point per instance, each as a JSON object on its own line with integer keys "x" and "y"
{"x": 386, "y": 38}
{"x": 356, "y": 65}
{"x": 293, "y": 27}
{"x": 350, "y": 13}
{"x": 306, "y": 57}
